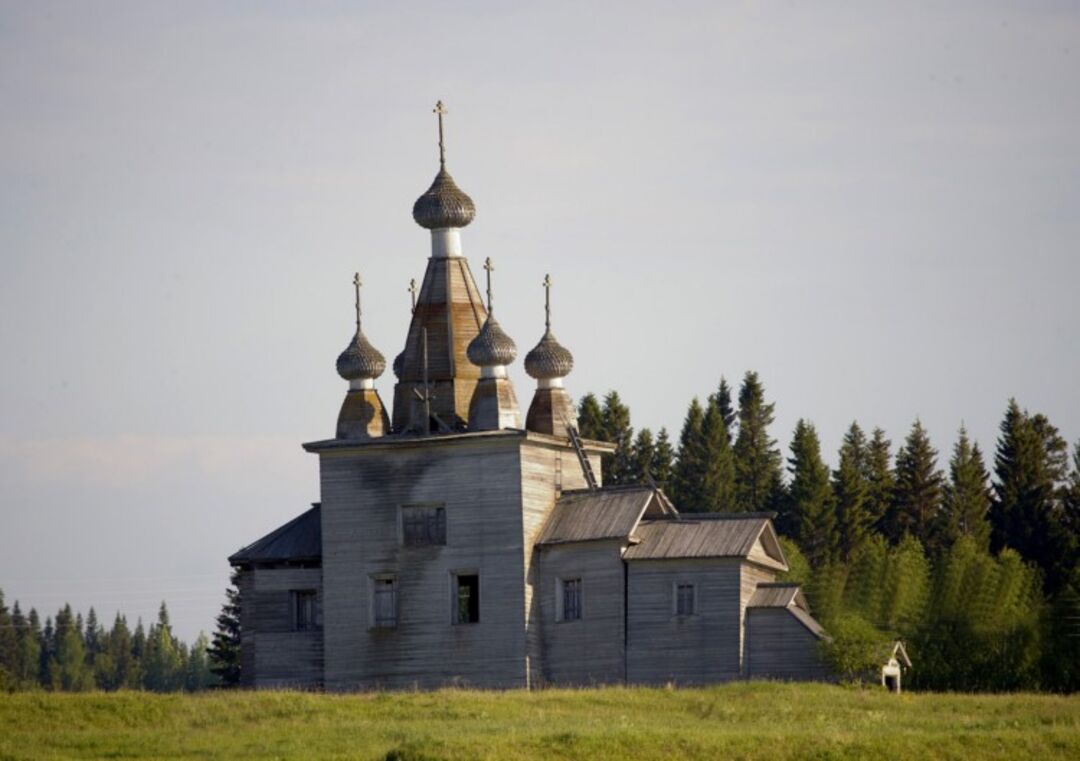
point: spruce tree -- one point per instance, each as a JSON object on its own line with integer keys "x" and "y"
{"x": 163, "y": 662}
{"x": 664, "y": 459}
{"x": 851, "y": 487}
{"x": 199, "y": 676}
{"x": 718, "y": 474}
{"x": 1028, "y": 511}
{"x": 686, "y": 478}
{"x": 28, "y": 631}
{"x": 46, "y": 652}
{"x": 9, "y": 648}
{"x": 810, "y": 497}
{"x": 644, "y": 457}
{"x": 917, "y": 496}
{"x": 967, "y": 495}
{"x": 224, "y": 651}
{"x": 727, "y": 410}
{"x": 880, "y": 480}
{"x": 67, "y": 668}
{"x": 618, "y": 467}
{"x": 757, "y": 458}
{"x": 591, "y": 418}
{"x": 93, "y": 637}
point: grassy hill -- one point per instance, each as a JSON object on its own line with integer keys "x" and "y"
{"x": 736, "y": 721}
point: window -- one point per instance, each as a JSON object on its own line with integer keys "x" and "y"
{"x": 303, "y": 609}
{"x": 423, "y": 525}
{"x": 570, "y": 600}
{"x": 684, "y": 600}
{"x": 384, "y": 602}
{"x": 466, "y": 598}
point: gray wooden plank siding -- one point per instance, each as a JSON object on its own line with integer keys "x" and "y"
{"x": 479, "y": 483}
{"x": 780, "y": 647}
{"x": 282, "y": 657}
{"x": 589, "y": 650}
{"x": 750, "y": 576}
{"x": 698, "y": 649}
{"x": 246, "y": 587}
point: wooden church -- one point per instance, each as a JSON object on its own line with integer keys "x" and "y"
{"x": 455, "y": 545}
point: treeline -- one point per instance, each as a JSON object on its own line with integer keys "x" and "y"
{"x": 977, "y": 571}
{"x": 71, "y": 654}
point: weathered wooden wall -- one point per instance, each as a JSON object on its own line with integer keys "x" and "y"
{"x": 780, "y": 647}
{"x": 272, "y": 654}
{"x": 750, "y": 576}
{"x": 589, "y": 650}
{"x": 698, "y": 649}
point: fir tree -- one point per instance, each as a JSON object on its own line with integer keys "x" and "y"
{"x": 591, "y": 418}
{"x": 163, "y": 662}
{"x": 67, "y": 668}
{"x": 9, "y": 648}
{"x": 29, "y": 643}
{"x": 664, "y": 459}
{"x": 851, "y": 487}
{"x": 810, "y": 497}
{"x": 644, "y": 457}
{"x": 718, "y": 465}
{"x": 618, "y": 467}
{"x": 880, "y": 481}
{"x": 967, "y": 495}
{"x": 117, "y": 668}
{"x": 727, "y": 410}
{"x": 46, "y": 651}
{"x": 224, "y": 652}
{"x": 1028, "y": 511}
{"x": 686, "y": 478}
{"x": 198, "y": 676}
{"x": 918, "y": 492}
{"x": 757, "y": 458}
{"x": 93, "y": 637}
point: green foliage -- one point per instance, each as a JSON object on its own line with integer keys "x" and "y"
{"x": 224, "y": 652}
{"x": 664, "y": 460}
{"x": 686, "y": 481}
{"x": 644, "y": 457}
{"x": 722, "y": 397}
{"x": 917, "y": 495}
{"x": 967, "y": 495}
{"x": 856, "y": 649}
{"x": 851, "y": 488}
{"x": 880, "y": 480}
{"x": 717, "y": 474}
{"x": 611, "y": 422}
{"x": 810, "y": 497}
{"x": 798, "y": 566}
{"x": 591, "y": 418}
{"x": 163, "y": 663}
{"x": 757, "y": 459}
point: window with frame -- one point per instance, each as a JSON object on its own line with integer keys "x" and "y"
{"x": 685, "y": 600}
{"x": 384, "y": 602}
{"x": 570, "y": 599}
{"x": 466, "y": 598}
{"x": 423, "y": 525}
{"x": 304, "y": 610}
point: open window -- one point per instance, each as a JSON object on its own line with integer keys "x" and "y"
{"x": 466, "y": 598}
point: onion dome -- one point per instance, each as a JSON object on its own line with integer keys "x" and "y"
{"x": 492, "y": 346}
{"x": 444, "y": 204}
{"x": 549, "y": 359}
{"x": 399, "y": 364}
{"x": 360, "y": 360}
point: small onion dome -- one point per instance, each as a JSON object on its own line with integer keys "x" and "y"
{"x": 443, "y": 205}
{"x": 492, "y": 346}
{"x": 360, "y": 360}
{"x": 399, "y": 364}
{"x": 549, "y": 359}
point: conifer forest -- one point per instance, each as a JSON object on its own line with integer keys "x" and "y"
{"x": 972, "y": 559}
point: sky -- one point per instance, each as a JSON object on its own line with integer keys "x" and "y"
{"x": 874, "y": 205}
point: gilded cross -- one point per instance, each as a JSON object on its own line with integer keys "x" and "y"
{"x": 489, "y": 268}
{"x": 357, "y": 282}
{"x": 440, "y": 109}
{"x": 547, "y": 301}
{"x": 412, "y": 290}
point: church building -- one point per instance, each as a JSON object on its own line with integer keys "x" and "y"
{"x": 456, "y": 544}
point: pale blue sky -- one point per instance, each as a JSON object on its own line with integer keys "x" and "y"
{"x": 873, "y": 205}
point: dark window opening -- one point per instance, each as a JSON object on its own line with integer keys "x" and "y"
{"x": 385, "y": 603}
{"x": 423, "y": 526}
{"x": 571, "y": 599}
{"x": 684, "y": 600}
{"x": 304, "y": 610}
{"x": 467, "y": 599}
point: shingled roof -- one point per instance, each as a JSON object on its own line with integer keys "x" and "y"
{"x": 777, "y": 595}
{"x": 298, "y": 540}
{"x": 712, "y": 535}
{"x": 608, "y": 513}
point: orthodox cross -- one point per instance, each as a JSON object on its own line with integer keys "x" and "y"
{"x": 489, "y": 268}
{"x": 357, "y": 282}
{"x": 547, "y": 302}
{"x": 440, "y": 109}
{"x": 412, "y": 290}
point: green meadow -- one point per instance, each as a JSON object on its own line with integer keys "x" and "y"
{"x": 737, "y": 721}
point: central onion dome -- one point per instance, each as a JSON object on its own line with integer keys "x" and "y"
{"x": 444, "y": 204}
{"x": 360, "y": 360}
{"x": 491, "y": 347}
{"x": 549, "y": 359}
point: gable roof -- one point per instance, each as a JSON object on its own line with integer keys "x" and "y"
{"x": 778, "y": 595}
{"x": 709, "y": 535}
{"x": 299, "y": 539}
{"x": 607, "y": 513}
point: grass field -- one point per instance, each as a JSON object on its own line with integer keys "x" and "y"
{"x": 736, "y": 721}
